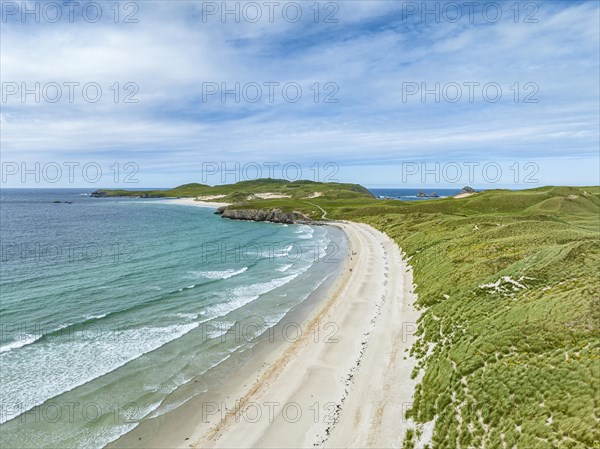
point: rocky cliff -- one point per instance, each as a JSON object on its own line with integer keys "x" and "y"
{"x": 273, "y": 215}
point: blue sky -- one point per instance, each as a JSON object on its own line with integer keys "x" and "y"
{"x": 367, "y": 59}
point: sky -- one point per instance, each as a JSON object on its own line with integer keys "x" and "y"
{"x": 381, "y": 93}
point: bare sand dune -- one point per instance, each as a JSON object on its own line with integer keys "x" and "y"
{"x": 464, "y": 195}
{"x": 209, "y": 197}
{"x": 267, "y": 196}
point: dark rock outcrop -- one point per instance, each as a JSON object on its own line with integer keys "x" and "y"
{"x": 149, "y": 195}
{"x": 99, "y": 194}
{"x": 467, "y": 189}
{"x": 272, "y": 215}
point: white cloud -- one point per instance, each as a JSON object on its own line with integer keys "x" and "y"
{"x": 171, "y": 52}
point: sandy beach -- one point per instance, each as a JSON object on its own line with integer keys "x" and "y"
{"x": 353, "y": 390}
{"x": 197, "y": 203}
{"x": 344, "y": 383}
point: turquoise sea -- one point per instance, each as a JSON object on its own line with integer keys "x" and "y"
{"x": 110, "y": 308}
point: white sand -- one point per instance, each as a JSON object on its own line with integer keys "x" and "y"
{"x": 267, "y": 196}
{"x": 464, "y": 195}
{"x": 349, "y": 393}
{"x": 210, "y": 197}
{"x": 194, "y": 202}
{"x": 344, "y": 383}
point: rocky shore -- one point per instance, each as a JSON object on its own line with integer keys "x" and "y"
{"x": 272, "y": 215}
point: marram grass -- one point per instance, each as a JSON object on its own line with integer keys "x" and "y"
{"x": 509, "y": 348}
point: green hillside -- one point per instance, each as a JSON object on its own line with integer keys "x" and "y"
{"x": 510, "y": 347}
{"x": 243, "y": 191}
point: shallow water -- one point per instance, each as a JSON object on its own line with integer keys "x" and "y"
{"x": 110, "y": 305}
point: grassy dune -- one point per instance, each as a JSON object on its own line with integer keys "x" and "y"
{"x": 509, "y": 348}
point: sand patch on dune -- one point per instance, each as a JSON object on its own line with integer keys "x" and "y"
{"x": 267, "y": 196}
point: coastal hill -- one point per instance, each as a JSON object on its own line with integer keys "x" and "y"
{"x": 265, "y": 199}
{"x": 264, "y": 188}
{"x": 508, "y": 282}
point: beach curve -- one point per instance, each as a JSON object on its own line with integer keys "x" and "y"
{"x": 351, "y": 392}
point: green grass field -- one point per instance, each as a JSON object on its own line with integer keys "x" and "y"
{"x": 509, "y": 281}
{"x": 509, "y": 284}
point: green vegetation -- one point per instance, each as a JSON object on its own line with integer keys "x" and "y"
{"x": 245, "y": 191}
{"x": 509, "y": 283}
{"x": 509, "y": 348}
{"x": 409, "y": 442}
{"x": 299, "y": 195}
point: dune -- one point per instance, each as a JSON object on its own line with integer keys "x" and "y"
{"x": 464, "y": 195}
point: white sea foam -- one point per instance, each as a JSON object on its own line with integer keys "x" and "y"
{"x": 109, "y": 434}
{"x": 214, "y": 275}
{"x": 240, "y": 296}
{"x": 45, "y": 371}
{"x": 220, "y": 328}
{"x": 305, "y": 232}
{"x": 284, "y": 268}
{"x": 95, "y": 317}
{"x": 272, "y": 320}
{"x": 189, "y": 316}
{"x": 285, "y": 252}
{"x": 302, "y": 229}
{"x": 168, "y": 406}
{"x": 23, "y": 340}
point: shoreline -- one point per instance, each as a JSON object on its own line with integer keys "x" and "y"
{"x": 346, "y": 382}
{"x": 237, "y": 372}
{"x": 354, "y": 392}
{"x": 193, "y": 202}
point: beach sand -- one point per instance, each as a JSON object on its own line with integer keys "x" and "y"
{"x": 345, "y": 382}
{"x": 193, "y": 202}
{"x": 362, "y": 381}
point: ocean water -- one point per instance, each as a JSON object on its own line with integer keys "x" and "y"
{"x": 109, "y": 307}
{"x": 411, "y": 194}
